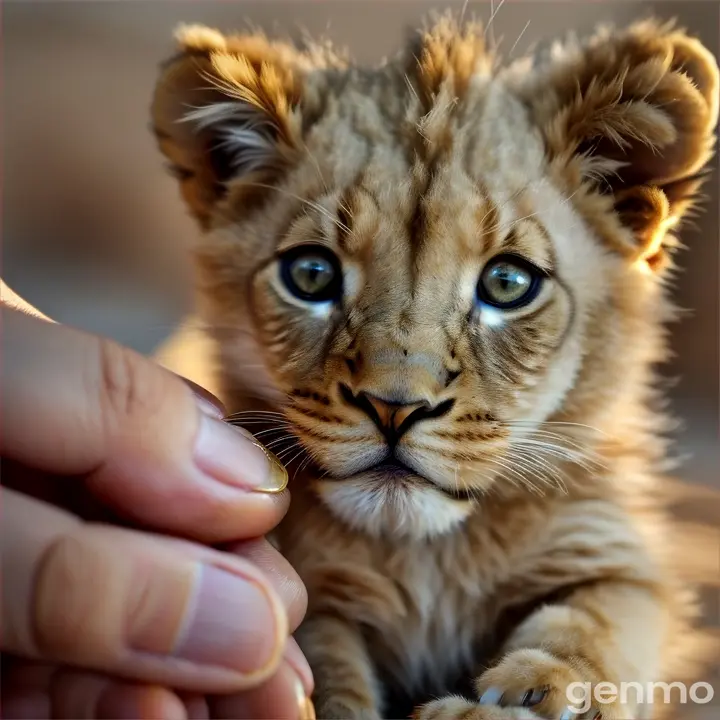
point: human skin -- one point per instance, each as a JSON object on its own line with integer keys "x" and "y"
{"x": 117, "y": 601}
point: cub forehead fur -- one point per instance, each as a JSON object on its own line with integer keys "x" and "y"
{"x": 603, "y": 142}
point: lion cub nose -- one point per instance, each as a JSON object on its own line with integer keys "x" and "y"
{"x": 393, "y": 419}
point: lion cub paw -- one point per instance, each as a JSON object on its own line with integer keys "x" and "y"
{"x": 457, "y": 708}
{"x": 525, "y": 685}
{"x": 550, "y": 687}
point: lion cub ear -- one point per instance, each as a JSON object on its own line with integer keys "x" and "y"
{"x": 631, "y": 114}
{"x": 226, "y": 108}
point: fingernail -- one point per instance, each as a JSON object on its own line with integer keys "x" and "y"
{"x": 230, "y": 457}
{"x": 277, "y": 470}
{"x": 492, "y": 696}
{"x": 209, "y": 408}
{"x": 232, "y": 624}
{"x": 305, "y": 705}
{"x": 281, "y": 698}
{"x": 297, "y": 661}
{"x": 206, "y": 400}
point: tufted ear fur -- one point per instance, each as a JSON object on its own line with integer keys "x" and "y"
{"x": 226, "y": 108}
{"x": 629, "y": 118}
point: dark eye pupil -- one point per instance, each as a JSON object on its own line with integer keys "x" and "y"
{"x": 311, "y": 274}
{"x": 509, "y": 278}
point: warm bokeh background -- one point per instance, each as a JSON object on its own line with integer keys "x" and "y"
{"x": 94, "y": 231}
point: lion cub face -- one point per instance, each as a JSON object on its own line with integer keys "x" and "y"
{"x": 421, "y": 264}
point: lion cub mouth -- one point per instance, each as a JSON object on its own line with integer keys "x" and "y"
{"x": 393, "y": 471}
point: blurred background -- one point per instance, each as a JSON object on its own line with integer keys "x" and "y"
{"x": 94, "y": 233}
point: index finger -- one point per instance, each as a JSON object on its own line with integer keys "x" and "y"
{"x": 77, "y": 404}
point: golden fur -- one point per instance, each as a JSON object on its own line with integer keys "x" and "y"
{"x": 550, "y": 566}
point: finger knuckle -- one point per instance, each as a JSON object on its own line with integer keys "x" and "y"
{"x": 66, "y": 598}
{"x": 126, "y": 384}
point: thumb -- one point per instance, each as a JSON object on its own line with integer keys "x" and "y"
{"x": 134, "y": 605}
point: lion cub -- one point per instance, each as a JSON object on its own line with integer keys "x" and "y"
{"x": 440, "y": 287}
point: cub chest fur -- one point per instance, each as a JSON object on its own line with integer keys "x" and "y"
{"x": 428, "y": 610}
{"x": 441, "y": 619}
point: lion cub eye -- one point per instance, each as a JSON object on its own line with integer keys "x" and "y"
{"x": 509, "y": 281}
{"x": 312, "y": 273}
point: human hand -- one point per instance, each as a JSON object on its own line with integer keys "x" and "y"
{"x": 136, "y": 616}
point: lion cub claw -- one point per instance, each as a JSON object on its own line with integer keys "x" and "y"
{"x": 527, "y": 684}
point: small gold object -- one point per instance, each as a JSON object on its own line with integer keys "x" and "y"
{"x": 278, "y": 479}
{"x": 307, "y": 709}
